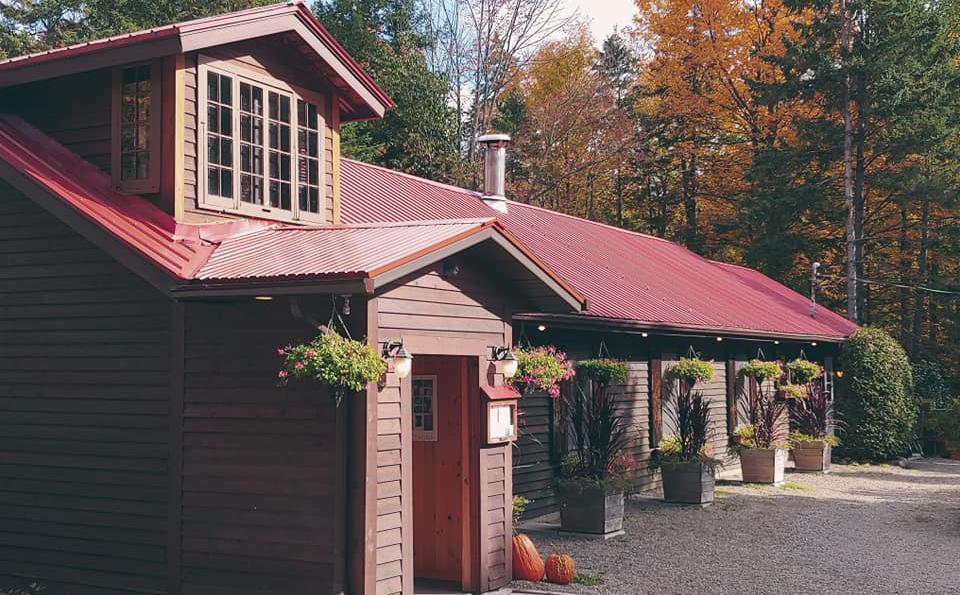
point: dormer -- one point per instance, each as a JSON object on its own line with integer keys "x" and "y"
{"x": 213, "y": 119}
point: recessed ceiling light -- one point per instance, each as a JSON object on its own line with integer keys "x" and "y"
{"x": 263, "y": 298}
{"x": 644, "y": 335}
{"x": 541, "y": 327}
{"x": 719, "y": 338}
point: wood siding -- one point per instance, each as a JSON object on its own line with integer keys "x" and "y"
{"x": 536, "y": 461}
{"x": 394, "y": 472}
{"x": 75, "y": 110}
{"x": 259, "y": 462}
{"x": 496, "y": 499}
{"x": 84, "y": 387}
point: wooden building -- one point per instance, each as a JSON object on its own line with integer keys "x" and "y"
{"x": 174, "y": 209}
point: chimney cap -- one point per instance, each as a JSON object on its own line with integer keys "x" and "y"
{"x": 494, "y": 137}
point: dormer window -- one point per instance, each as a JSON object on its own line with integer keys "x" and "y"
{"x": 136, "y": 129}
{"x": 261, "y": 145}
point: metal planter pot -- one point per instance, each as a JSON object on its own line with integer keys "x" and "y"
{"x": 763, "y": 465}
{"x": 688, "y": 483}
{"x": 812, "y": 457}
{"x": 592, "y": 510}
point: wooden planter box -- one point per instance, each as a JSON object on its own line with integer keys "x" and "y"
{"x": 763, "y": 465}
{"x": 591, "y": 510}
{"x": 951, "y": 448}
{"x": 688, "y": 483}
{"x": 812, "y": 457}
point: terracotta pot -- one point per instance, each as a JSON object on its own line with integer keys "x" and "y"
{"x": 763, "y": 465}
{"x": 812, "y": 457}
{"x": 591, "y": 510}
{"x": 688, "y": 483}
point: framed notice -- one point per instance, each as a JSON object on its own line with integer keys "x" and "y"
{"x": 425, "y": 408}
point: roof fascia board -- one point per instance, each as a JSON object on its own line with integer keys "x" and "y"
{"x": 483, "y": 235}
{"x": 123, "y": 54}
{"x": 90, "y": 230}
{"x": 272, "y": 287}
{"x": 637, "y": 326}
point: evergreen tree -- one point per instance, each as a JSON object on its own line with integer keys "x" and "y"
{"x": 418, "y": 135}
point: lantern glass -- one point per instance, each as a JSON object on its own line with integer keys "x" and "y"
{"x": 402, "y": 363}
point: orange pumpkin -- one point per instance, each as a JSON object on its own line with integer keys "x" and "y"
{"x": 527, "y": 564}
{"x": 560, "y": 568}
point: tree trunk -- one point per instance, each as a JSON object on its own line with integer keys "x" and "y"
{"x": 905, "y": 269}
{"x": 923, "y": 277}
{"x": 692, "y": 231}
{"x": 848, "y": 175}
{"x": 859, "y": 203}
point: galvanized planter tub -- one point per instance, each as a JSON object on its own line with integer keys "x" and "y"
{"x": 763, "y": 465}
{"x": 812, "y": 457}
{"x": 591, "y": 509}
{"x": 689, "y": 482}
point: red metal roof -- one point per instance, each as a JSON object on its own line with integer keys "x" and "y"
{"x": 211, "y": 23}
{"x": 351, "y": 251}
{"x": 624, "y": 275}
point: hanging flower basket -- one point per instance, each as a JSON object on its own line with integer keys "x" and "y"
{"x": 338, "y": 362}
{"x": 542, "y": 368}
{"x": 603, "y": 370}
{"x": 803, "y": 371}
{"x": 691, "y": 369}
{"x": 761, "y": 370}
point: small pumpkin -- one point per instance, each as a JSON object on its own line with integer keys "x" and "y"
{"x": 560, "y": 568}
{"x": 527, "y": 563}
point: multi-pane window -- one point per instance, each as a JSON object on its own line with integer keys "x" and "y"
{"x": 263, "y": 147}
{"x": 219, "y": 135}
{"x": 308, "y": 156}
{"x": 135, "y": 162}
{"x": 251, "y": 144}
{"x": 135, "y": 98}
{"x": 280, "y": 151}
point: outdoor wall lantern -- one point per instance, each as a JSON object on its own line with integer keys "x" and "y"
{"x": 399, "y": 360}
{"x": 504, "y": 360}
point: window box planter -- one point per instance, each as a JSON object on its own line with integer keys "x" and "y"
{"x": 689, "y": 482}
{"x": 812, "y": 456}
{"x": 595, "y": 510}
{"x": 763, "y": 465}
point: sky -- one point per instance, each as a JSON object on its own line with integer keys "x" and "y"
{"x": 604, "y": 15}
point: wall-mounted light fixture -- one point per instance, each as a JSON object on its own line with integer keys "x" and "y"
{"x": 398, "y": 359}
{"x": 838, "y": 373}
{"x": 504, "y": 360}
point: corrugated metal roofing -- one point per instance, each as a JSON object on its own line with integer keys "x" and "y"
{"x": 624, "y": 275}
{"x": 355, "y": 251}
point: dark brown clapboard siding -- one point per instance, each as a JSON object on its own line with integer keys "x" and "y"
{"x": 84, "y": 389}
{"x": 259, "y": 461}
{"x": 392, "y": 518}
{"x": 535, "y": 464}
{"x": 495, "y": 480}
{"x": 82, "y": 125}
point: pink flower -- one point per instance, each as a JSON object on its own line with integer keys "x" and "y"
{"x": 282, "y": 374}
{"x": 281, "y": 352}
{"x": 311, "y": 353}
{"x": 298, "y": 365}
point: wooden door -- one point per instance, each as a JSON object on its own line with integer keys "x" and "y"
{"x": 439, "y": 507}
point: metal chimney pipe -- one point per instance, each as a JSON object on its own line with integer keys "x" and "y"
{"x": 495, "y": 170}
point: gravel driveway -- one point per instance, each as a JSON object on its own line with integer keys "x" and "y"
{"x": 861, "y": 529}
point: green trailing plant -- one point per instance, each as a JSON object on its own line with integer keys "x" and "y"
{"x": 794, "y": 391}
{"x": 761, "y": 370}
{"x": 603, "y": 370}
{"x": 690, "y": 369}
{"x": 803, "y": 371}
{"x": 813, "y": 417}
{"x": 542, "y": 368}
{"x": 339, "y": 362}
{"x": 875, "y": 398}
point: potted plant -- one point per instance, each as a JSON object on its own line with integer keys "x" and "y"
{"x": 802, "y": 372}
{"x": 812, "y": 440}
{"x": 542, "y": 368}
{"x": 594, "y": 475}
{"x": 684, "y": 458}
{"x": 761, "y": 443}
{"x": 339, "y": 362}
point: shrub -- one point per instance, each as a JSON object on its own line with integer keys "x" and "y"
{"x": 929, "y": 383}
{"x": 876, "y": 397}
{"x": 946, "y": 426}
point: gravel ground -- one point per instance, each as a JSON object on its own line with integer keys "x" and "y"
{"x": 860, "y": 529}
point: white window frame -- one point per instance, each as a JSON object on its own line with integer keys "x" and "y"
{"x": 238, "y": 73}
{"x": 425, "y": 435}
